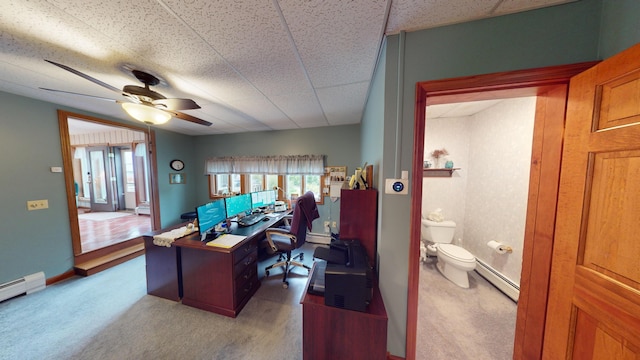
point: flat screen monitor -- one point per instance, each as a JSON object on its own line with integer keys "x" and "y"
{"x": 238, "y": 204}
{"x": 261, "y": 199}
{"x": 209, "y": 215}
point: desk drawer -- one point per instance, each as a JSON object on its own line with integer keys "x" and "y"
{"x": 245, "y": 250}
{"x": 246, "y": 289}
{"x": 246, "y": 261}
{"x": 249, "y": 272}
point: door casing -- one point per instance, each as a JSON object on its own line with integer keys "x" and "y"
{"x": 550, "y": 85}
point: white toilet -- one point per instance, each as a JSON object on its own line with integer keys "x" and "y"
{"x": 454, "y": 262}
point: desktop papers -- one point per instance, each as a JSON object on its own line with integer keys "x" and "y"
{"x": 226, "y": 240}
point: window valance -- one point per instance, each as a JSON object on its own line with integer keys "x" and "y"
{"x": 282, "y": 164}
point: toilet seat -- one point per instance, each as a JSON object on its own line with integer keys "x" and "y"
{"x": 456, "y": 252}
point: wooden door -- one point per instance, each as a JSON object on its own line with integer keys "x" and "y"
{"x": 594, "y": 296}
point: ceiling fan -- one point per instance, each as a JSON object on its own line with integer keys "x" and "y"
{"x": 144, "y": 104}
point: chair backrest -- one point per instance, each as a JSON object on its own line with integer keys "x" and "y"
{"x": 304, "y": 213}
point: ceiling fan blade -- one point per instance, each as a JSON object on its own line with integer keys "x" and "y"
{"x": 176, "y": 104}
{"x": 190, "y": 118}
{"x": 73, "y": 93}
{"x": 93, "y": 80}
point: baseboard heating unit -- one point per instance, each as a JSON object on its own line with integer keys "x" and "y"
{"x": 24, "y": 285}
{"x": 498, "y": 280}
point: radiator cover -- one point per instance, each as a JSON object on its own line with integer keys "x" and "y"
{"x": 24, "y": 285}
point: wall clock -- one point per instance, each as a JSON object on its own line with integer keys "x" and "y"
{"x": 176, "y": 165}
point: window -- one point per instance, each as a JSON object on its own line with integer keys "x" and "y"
{"x": 223, "y": 184}
{"x": 290, "y": 184}
{"x": 290, "y": 174}
{"x": 296, "y": 185}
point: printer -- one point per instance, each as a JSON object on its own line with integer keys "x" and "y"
{"x": 348, "y": 279}
{"x": 280, "y": 206}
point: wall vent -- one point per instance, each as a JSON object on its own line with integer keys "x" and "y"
{"x": 23, "y": 285}
{"x": 498, "y": 280}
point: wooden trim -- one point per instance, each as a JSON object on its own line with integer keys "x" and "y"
{"x": 64, "y": 276}
{"x": 543, "y": 190}
{"x": 67, "y": 163}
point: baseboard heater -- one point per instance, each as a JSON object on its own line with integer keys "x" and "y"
{"x": 498, "y": 280}
{"x": 24, "y": 285}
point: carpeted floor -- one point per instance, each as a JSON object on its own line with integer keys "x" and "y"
{"x": 110, "y": 316}
{"x": 458, "y": 324}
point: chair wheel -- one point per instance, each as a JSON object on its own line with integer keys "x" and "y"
{"x": 285, "y": 285}
{"x": 301, "y": 256}
{"x": 266, "y": 273}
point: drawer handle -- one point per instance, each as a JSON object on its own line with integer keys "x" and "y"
{"x": 248, "y": 275}
{"x": 247, "y": 289}
{"x": 248, "y": 261}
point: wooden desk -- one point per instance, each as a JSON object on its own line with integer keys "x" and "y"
{"x": 211, "y": 278}
{"x": 333, "y": 333}
{"x": 164, "y": 278}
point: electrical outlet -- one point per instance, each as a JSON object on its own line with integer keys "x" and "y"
{"x": 333, "y": 225}
{"x": 37, "y": 204}
{"x": 327, "y": 230}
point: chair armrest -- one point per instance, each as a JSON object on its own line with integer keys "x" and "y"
{"x": 279, "y": 232}
{"x": 287, "y": 220}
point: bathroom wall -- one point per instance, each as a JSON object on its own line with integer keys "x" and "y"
{"x": 487, "y": 197}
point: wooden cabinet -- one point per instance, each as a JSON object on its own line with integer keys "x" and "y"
{"x": 334, "y": 333}
{"x": 219, "y": 280}
{"x": 359, "y": 219}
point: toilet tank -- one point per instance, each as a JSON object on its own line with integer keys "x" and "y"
{"x": 438, "y": 232}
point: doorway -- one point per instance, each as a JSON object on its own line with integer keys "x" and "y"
{"x": 550, "y": 86}
{"x": 109, "y": 176}
{"x": 488, "y": 145}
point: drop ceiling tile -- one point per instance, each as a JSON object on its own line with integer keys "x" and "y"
{"x": 411, "y": 15}
{"x": 301, "y": 108}
{"x": 262, "y": 110}
{"x": 240, "y": 31}
{"x": 344, "y": 104}
{"x": 337, "y": 41}
{"x": 510, "y": 6}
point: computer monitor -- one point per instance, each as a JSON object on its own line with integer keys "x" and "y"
{"x": 209, "y": 215}
{"x": 237, "y": 204}
{"x": 262, "y": 199}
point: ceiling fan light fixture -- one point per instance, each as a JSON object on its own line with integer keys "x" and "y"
{"x": 147, "y": 114}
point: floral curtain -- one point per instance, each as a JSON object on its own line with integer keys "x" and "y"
{"x": 283, "y": 164}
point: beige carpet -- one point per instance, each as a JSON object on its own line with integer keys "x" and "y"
{"x": 458, "y": 324}
{"x": 109, "y": 316}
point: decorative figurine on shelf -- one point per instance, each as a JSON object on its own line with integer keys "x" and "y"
{"x": 448, "y": 165}
{"x": 437, "y": 154}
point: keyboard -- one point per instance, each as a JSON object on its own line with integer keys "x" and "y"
{"x": 251, "y": 219}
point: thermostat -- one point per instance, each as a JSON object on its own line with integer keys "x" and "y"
{"x": 396, "y": 186}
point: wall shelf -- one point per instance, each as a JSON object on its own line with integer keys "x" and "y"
{"x": 441, "y": 172}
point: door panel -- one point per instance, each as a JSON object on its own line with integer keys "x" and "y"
{"x": 594, "y": 297}
{"x": 100, "y": 186}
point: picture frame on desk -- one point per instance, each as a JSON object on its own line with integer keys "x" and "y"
{"x": 177, "y": 178}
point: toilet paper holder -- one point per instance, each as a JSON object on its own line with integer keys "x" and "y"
{"x": 499, "y": 247}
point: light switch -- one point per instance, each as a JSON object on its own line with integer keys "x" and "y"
{"x": 37, "y": 204}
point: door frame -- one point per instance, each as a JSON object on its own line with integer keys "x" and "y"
{"x": 67, "y": 163}
{"x": 550, "y": 85}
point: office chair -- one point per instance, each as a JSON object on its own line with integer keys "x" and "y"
{"x": 283, "y": 241}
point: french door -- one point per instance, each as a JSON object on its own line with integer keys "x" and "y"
{"x": 100, "y": 180}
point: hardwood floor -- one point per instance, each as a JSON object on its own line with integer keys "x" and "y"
{"x": 96, "y": 234}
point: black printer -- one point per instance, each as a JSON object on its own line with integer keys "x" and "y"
{"x": 348, "y": 279}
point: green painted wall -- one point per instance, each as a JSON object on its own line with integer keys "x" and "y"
{"x": 40, "y": 240}
{"x": 620, "y": 26}
{"x": 340, "y": 144}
